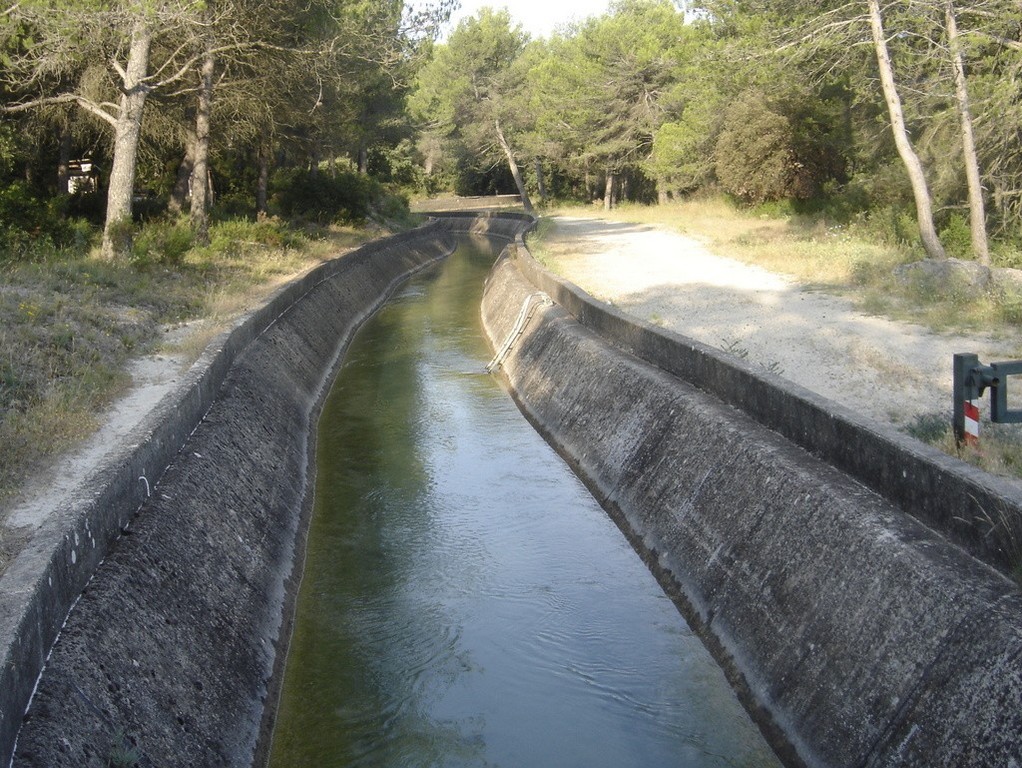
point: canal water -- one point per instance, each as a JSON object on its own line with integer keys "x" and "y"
{"x": 465, "y": 601}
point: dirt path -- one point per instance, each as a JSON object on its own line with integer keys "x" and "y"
{"x": 877, "y": 367}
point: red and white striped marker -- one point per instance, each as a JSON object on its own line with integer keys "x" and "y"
{"x": 971, "y": 423}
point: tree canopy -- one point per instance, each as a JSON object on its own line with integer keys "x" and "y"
{"x": 867, "y": 109}
{"x": 171, "y": 79}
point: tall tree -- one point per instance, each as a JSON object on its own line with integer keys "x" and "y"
{"x": 108, "y": 57}
{"x": 464, "y": 91}
{"x": 977, "y": 207}
{"x": 930, "y": 56}
{"x": 604, "y": 86}
{"x": 122, "y": 33}
{"x": 913, "y": 166}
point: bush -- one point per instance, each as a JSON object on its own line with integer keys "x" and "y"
{"x": 20, "y": 207}
{"x": 957, "y": 236}
{"x": 162, "y": 242}
{"x": 229, "y": 238}
{"x": 397, "y": 166}
{"x": 890, "y": 225}
{"x": 774, "y": 151}
{"x": 1009, "y": 309}
{"x": 33, "y": 227}
{"x": 324, "y": 198}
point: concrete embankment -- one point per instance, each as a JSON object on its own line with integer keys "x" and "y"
{"x": 789, "y": 532}
{"x": 179, "y": 555}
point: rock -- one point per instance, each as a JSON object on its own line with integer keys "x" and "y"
{"x": 946, "y": 276}
{"x": 1007, "y": 281}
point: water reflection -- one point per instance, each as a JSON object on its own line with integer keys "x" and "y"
{"x": 465, "y": 601}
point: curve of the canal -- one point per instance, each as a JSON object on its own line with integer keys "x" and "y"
{"x": 465, "y": 601}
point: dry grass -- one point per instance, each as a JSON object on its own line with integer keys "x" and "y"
{"x": 69, "y": 326}
{"x": 814, "y": 253}
{"x": 844, "y": 260}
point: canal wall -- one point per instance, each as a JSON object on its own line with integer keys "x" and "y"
{"x": 169, "y": 576}
{"x": 800, "y": 540}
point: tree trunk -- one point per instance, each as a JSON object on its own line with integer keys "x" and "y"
{"x": 1000, "y": 198}
{"x": 513, "y": 165}
{"x": 913, "y": 166}
{"x": 64, "y": 162}
{"x": 182, "y": 187}
{"x": 977, "y": 210}
{"x": 263, "y": 182}
{"x": 608, "y": 191}
{"x": 200, "y": 172}
{"x": 314, "y": 157}
{"x": 538, "y": 165}
{"x": 117, "y": 229}
{"x": 363, "y": 158}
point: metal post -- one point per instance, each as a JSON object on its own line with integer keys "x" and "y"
{"x": 962, "y": 391}
{"x": 970, "y": 380}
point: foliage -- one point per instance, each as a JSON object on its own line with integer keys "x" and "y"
{"x": 33, "y": 225}
{"x": 755, "y": 159}
{"x": 468, "y": 90}
{"x": 340, "y": 196}
{"x": 293, "y": 83}
{"x": 774, "y": 151}
{"x": 397, "y": 165}
{"x": 163, "y": 242}
{"x": 606, "y": 89}
{"x": 774, "y": 101}
{"x": 681, "y": 156}
{"x": 956, "y": 236}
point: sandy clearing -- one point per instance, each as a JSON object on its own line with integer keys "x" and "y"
{"x": 883, "y": 369}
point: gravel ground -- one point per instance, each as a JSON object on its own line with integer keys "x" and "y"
{"x": 883, "y": 369}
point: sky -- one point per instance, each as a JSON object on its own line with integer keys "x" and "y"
{"x": 538, "y": 17}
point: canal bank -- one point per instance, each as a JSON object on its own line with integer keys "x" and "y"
{"x": 862, "y": 635}
{"x": 177, "y": 553}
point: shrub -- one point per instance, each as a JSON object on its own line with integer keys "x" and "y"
{"x": 397, "y": 165}
{"x": 162, "y": 242}
{"x": 229, "y": 238}
{"x": 322, "y": 197}
{"x": 34, "y": 227}
{"x": 891, "y": 225}
{"x": 957, "y": 236}
{"x": 19, "y": 206}
{"x": 774, "y": 151}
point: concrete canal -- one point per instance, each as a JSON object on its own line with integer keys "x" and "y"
{"x": 465, "y": 601}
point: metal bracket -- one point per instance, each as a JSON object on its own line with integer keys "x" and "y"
{"x": 999, "y": 411}
{"x": 972, "y": 379}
